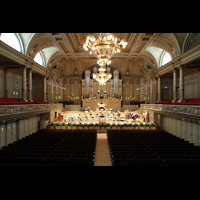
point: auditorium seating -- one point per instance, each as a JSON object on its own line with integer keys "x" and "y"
{"x": 151, "y": 148}
{"x": 189, "y": 101}
{"x": 168, "y": 101}
{"x": 67, "y": 102}
{"x": 37, "y": 101}
{"x": 16, "y": 101}
{"x": 134, "y": 102}
{"x": 12, "y": 101}
{"x": 52, "y": 147}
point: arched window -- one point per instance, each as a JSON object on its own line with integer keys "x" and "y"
{"x": 166, "y": 58}
{"x": 11, "y": 40}
{"x": 38, "y": 59}
{"x": 192, "y": 41}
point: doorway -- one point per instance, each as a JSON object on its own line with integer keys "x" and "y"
{"x": 166, "y": 94}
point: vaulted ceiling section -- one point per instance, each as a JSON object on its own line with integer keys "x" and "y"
{"x": 70, "y": 52}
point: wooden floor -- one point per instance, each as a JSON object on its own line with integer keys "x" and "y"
{"x": 102, "y": 156}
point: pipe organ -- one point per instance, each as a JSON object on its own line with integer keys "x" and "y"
{"x": 92, "y": 90}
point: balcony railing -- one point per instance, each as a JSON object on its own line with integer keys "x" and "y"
{"x": 192, "y": 112}
{"x": 14, "y": 111}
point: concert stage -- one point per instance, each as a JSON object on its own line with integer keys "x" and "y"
{"x": 115, "y": 104}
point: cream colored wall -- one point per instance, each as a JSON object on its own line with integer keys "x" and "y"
{"x": 37, "y": 88}
{"x": 14, "y": 82}
{"x": 167, "y": 93}
{"x": 186, "y": 129}
{"x": 73, "y": 107}
{"x": 192, "y": 83}
{"x": 129, "y": 107}
{"x": 73, "y": 87}
{"x": 2, "y": 84}
{"x": 13, "y": 131}
{"x": 28, "y": 126}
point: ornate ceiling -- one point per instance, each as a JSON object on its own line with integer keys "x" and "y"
{"x": 70, "y": 51}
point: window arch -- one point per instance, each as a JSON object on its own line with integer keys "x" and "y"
{"x": 12, "y": 40}
{"x": 38, "y": 58}
{"x": 165, "y": 58}
{"x": 192, "y": 41}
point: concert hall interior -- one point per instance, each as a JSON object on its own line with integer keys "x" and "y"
{"x": 100, "y": 99}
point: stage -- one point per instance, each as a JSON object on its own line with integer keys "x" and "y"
{"x": 100, "y": 116}
{"x": 115, "y": 104}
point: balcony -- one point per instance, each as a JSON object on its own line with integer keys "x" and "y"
{"x": 189, "y": 112}
{"x": 15, "y": 111}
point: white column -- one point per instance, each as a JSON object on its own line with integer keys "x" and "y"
{"x": 181, "y": 84}
{"x": 56, "y": 89}
{"x": 146, "y": 96}
{"x": 174, "y": 85}
{"x": 151, "y": 92}
{"x": 30, "y": 85}
{"x": 60, "y": 91}
{"x": 6, "y": 82}
{"x": 159, "y": 89}
{"x": 24, "y": 83}
{"x": 45, "y": 88}
{"x": 142, "y": 90}
{"x": 51, "y": 91}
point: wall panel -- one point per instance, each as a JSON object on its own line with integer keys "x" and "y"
{"x": 185, "y": 129}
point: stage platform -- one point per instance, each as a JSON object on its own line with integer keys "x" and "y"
{"x": 115, "y": 104}
{"x": 96, "y": 117}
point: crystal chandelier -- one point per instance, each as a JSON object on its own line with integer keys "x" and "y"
{"x": 104, "y": 47}
{"x": 102, "y": 77}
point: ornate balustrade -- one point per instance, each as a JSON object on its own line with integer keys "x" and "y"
{"x": 191, "y": 112}
{"x": 14, "y": 111}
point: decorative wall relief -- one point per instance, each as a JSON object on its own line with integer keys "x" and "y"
{"x": 15, "y": 109}
{"x": 183, "y": 110}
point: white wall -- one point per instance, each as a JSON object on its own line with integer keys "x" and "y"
{"x": 11, "y": 132}
{"x": 2, "y": 90}
{"x": 14, "y": 83}
{"x": 191, "y": 83}
{"x": 37, "y": 87}
{"x": 187, "y": 130}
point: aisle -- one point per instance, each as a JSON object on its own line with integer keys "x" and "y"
{"x": 102, "y": 156}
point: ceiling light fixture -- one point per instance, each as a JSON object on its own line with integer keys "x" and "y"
{"x": 104, "y": 48}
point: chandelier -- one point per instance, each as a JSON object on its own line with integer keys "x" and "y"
{"x": 104, "y": 47}
{"x": 102, "y": 77}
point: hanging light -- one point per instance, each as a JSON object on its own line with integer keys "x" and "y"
{"x": 104, "y": 48}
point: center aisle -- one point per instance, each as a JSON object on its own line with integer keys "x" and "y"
{"x": 102, "y": 155}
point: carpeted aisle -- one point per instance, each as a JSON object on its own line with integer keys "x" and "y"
{"x": 102, "y": 155}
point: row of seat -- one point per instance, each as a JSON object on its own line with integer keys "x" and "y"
{"x": 189, "y": 101}
{"x": 37, "y": 101}
{"x": 9, "y": 99}
{"x": 16, "y": 101}
{"x": 67, "y": 102}
{"x": 150, "y": 147}
{"x": 52, "y": 147}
